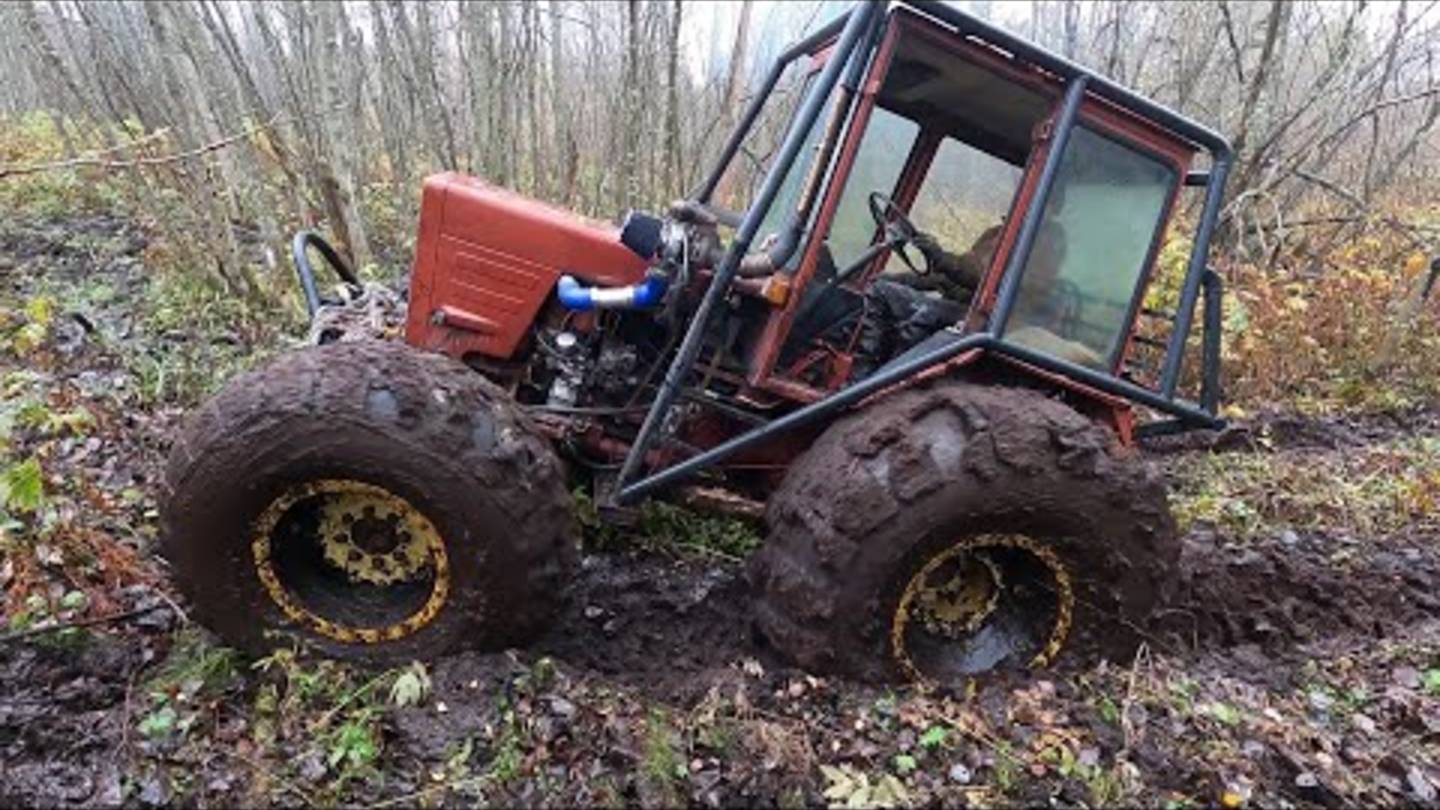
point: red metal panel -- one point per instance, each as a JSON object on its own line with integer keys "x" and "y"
{"x": 487, "y": 259}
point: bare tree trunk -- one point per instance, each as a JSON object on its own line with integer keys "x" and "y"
{"x": 734, "y": 80}
{"x": 672, "y": 103}
{"x": 735, "y": 73}
{"x": 56, "y": 69}
{"x": 1274, "y": 26}
{"x": 563, "y": 137}
{"x": 628, "y": 189}
{"x": 218, "y": 253}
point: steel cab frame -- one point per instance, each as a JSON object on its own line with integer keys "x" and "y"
{"x": 858, "y": 47}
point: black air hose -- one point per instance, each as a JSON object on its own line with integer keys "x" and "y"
{"x": 299, "y": 251}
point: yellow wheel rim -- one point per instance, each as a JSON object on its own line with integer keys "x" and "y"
{"x": 351, "y": 518}
{"x": 964, "y": 588}
{"x": 329, "y": 538}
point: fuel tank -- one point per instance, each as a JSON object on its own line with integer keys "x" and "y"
{"x": 486, "y": 260}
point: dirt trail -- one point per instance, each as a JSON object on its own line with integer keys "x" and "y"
{"x": 1288, "y": 668}
{"x": 672, "y": 634}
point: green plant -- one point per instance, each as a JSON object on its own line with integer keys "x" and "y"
{"x": 211, "y": 336}
{"x": 29, "y": 336}
{"x": 506, "y": 755}
{"x": 1006, "y": 767}
{"x": 411, "y": 686}
{"x": 667, "y": 528}
{"x": 905, "y": 764}
{"x": 1182, "y": 696}
{"x": 22, "y": 487}
{"x": 333, "y": 713}
{"x": 37, "y": 614}
{"x": 159, "y": 723}
{"x": 661, "y": 765}
{"x": 196, "y": 667}
{"x": 35, "y": 414}
{"x": 1224, "y": 712}
{"x": 933, "y": 738}
{"x": 34, "y": 137}
{"x": 193, "y": 673}
{"x": 1109, "y": 712}
{"x": 353, "y": 742}
{"x": 1431, "y": 681}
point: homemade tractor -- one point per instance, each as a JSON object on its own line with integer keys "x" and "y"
{"x": 944, "y": 438}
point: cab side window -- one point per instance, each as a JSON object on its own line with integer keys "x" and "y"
{"x": 1098, "y": 229}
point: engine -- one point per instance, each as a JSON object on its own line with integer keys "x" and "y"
{"x": 611, "y": 341}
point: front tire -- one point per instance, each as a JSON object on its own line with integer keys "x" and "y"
{"x": 372, "y": 500}
{"x": 955, "y": 529}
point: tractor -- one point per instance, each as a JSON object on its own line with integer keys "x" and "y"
{"x": 941, "y": 436}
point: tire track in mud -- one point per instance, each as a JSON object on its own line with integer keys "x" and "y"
{"x": 664, "y": 626}
{"x": 1287, "y": 594}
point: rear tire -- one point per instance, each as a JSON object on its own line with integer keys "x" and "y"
{"x": 463, "y": 480}
{"x": 925, "y": 472}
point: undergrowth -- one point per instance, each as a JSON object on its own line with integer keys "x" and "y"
{"x": 33, "y": 138}
{"x": 206, "y": 336}
{"x": 1372, "y": 491}
{"x": 1319, "y": 330}
{"x": 667, "y": 528}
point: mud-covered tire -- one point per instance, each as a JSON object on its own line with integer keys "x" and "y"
{"x": 418, "y": 425}
{"x": 900, "y": 481}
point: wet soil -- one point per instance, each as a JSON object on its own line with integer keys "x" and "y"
{"x": 1274, "y": 430}
{"x": 64, "y": 722}
{"x": 649, "y": 642}
{"x": 663, "y": 626}
{"x": 1292, "y": 593}
{"x": 642, "y": 632}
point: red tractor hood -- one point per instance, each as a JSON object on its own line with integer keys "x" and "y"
{"x": 486, "y": 259}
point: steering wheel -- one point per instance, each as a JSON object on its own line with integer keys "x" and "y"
{"x": 899, "y": 230}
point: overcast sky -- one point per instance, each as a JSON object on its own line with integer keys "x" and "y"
{"x": 709, "y": 26}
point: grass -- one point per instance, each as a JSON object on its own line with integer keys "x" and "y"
{"x": 193, "y": 675}
{"x": 662, "y": 767}
{"x": 1374, "y": 490}
{"x": 32, "y": 138}
{"x": 204, "y": 337}
{"x": 323, "y": 711}
{"x": 668, "y": 529}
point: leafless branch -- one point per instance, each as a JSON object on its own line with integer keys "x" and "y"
{"x": 101, "y": 163}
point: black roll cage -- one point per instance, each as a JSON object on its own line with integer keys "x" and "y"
{"x": 858, "y": 31}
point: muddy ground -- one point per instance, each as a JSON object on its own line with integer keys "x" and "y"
{"x": 1298, "y": 666}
